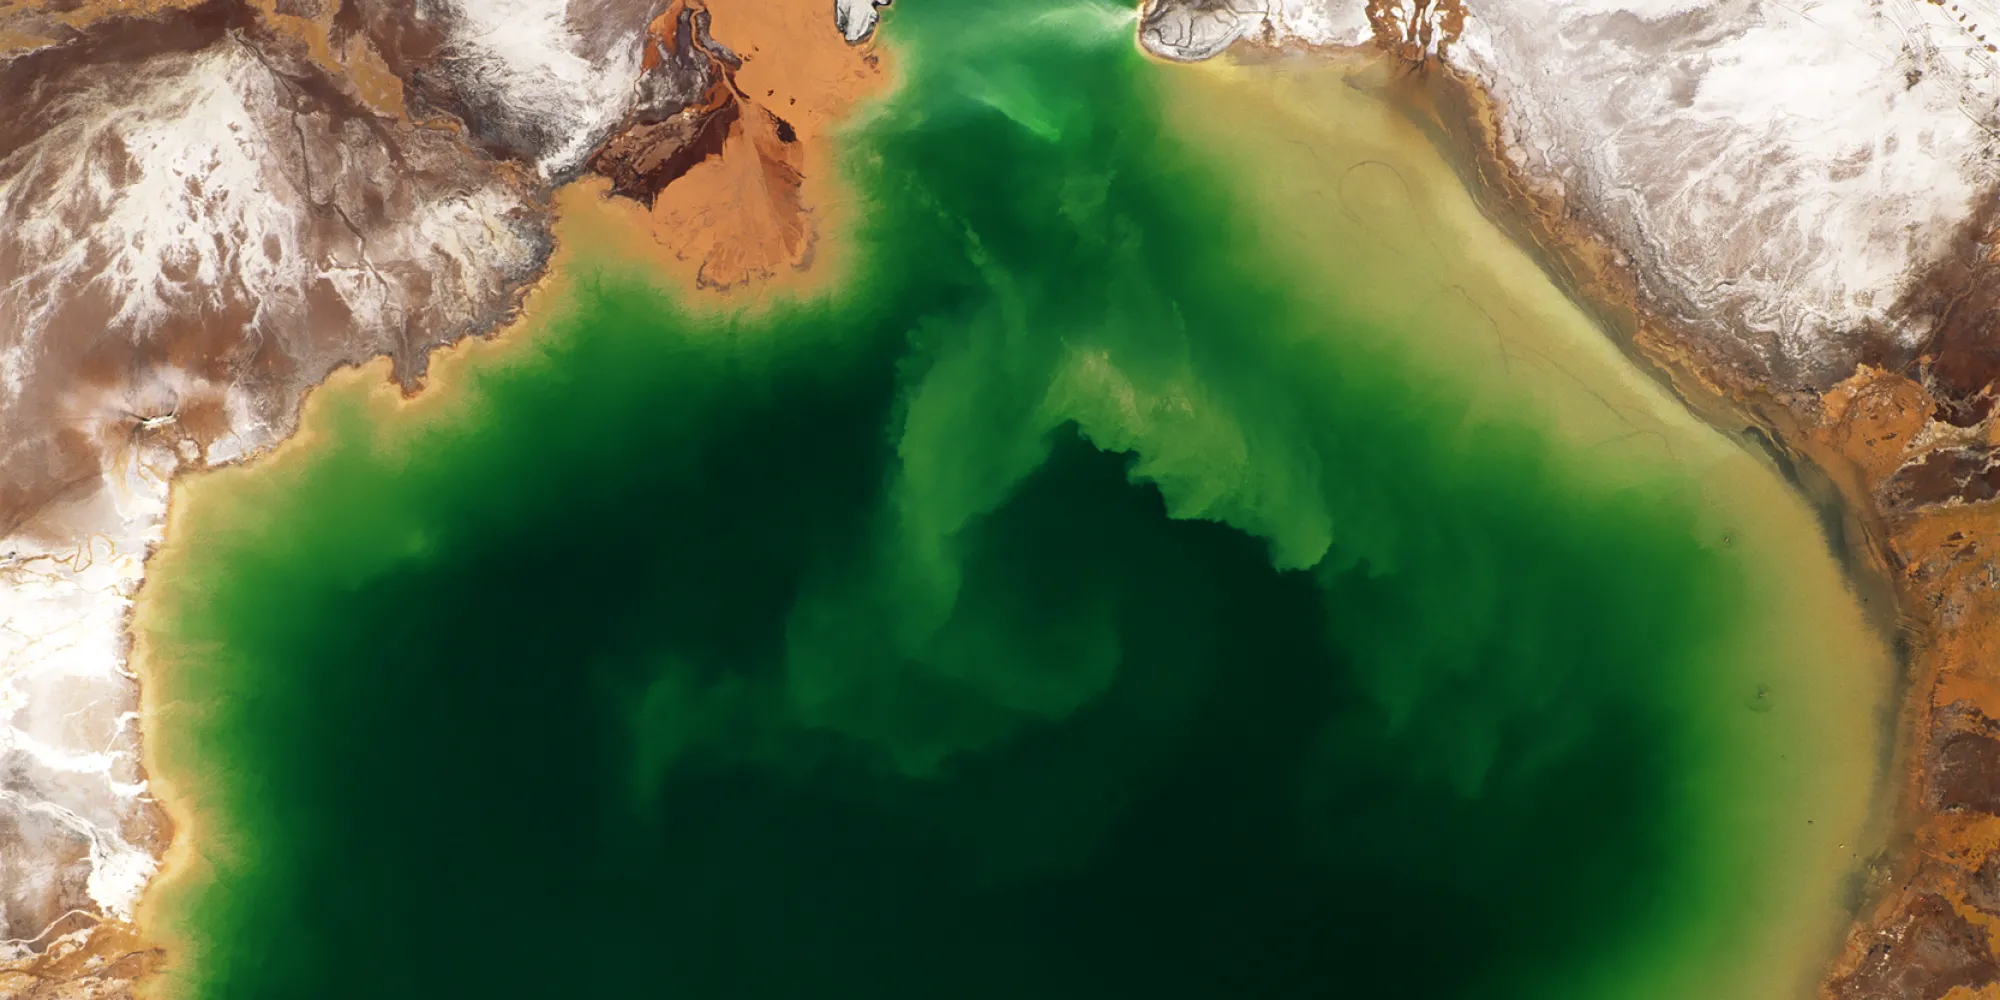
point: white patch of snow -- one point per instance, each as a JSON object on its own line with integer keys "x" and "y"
{"x": 168, "y": 196}
{"x": 1310, "y": 23}
{"x": 172, "y": 229}
{"x": 192, "y": 207}
{"x": 527, "y": 52}
{"x": 65, "y": 694}
{"x": 1787, "y": 166}
{"x": 1777, "y": 170}
{"x": 1182, "y": 31}
{"x": 855, "y": 19}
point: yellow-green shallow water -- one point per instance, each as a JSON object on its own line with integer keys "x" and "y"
{"x": 1195, "y": 556}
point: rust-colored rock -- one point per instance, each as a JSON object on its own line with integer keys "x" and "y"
{"x": 1965, "y": 771}
{"x": 687, "y": 110}
{"x": 1419, "y": 32}
{"x": 727, "y": 149}
{"x": 100, "y": 966}
{"x": 1925, "y": 952}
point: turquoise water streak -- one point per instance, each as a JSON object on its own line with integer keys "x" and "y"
{"x": 1070, "y": 608}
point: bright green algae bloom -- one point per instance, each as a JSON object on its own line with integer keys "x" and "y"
{"x": 1072, "y": 608}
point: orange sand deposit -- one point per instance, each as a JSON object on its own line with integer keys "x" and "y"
{"x": 763, "y": 208}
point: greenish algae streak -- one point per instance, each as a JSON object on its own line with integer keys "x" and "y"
{"x": 1197, "y": 557}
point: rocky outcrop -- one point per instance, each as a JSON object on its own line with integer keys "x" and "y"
{"x": 687, "y": 105}
{"x": 1926, "y": 952}
{"x": 1781, "y": 182}
{"x": 726, "y": 146}
{"x": 856, "y": 19}
{"x": 1919, "y": 473}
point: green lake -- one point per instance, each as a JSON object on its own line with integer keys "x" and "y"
{"x": 1192, "y": 555}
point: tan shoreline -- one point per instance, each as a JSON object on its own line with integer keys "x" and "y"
{"x": 1828, "y": 468}
{"x": 184, "y": 858}
{"x": 594, "y": 231}
{"x": 1572, "y": 255}
{"x": 1465, "y": 120}
{"x": 585, "y": 214}
{"x": 1462, "y": 120}
{"x": 1790, "y": 554}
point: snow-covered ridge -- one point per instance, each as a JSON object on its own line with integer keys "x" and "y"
{"x": 1791, "y": 168}
{"x": 531, "y": 78}
{"x": 1192, "y": 30}
{"x": 1780, "y": 173}
{"x": 68, "y": 712}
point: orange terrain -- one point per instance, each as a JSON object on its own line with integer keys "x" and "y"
{"x": 728, "y": 152}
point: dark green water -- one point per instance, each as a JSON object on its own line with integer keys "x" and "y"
{"x": 1074, "y": 608}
